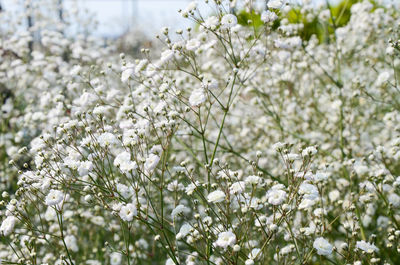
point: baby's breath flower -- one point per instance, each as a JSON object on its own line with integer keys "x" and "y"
{"x": 127, "y": 212}
{"x": 226, "y": 239}
{"x": 54, "y": 197}
{"x": 216, "y": 196}
{"x": 367, "y": 247}
{"x": 322, "y": 246}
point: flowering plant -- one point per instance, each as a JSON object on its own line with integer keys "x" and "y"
{"x": 237, "y": 145}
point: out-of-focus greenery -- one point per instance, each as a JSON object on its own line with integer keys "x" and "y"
{"x": 339, "y": 16}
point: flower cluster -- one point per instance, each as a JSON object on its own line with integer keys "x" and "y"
{"x": 236, "y": 143}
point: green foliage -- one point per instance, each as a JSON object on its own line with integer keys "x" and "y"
{"x": 339, "y": 16}
{"x": 244, "y": 17}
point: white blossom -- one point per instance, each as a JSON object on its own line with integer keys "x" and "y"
{"x": 322, "y": 246}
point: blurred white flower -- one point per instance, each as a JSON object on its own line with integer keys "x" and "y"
{"x": 54, "y": 197}
{"x": 127, "y": 212}
{"x": 228, "y": 21}
{"x": 197, "y": 97}
{"x": 226, "y": 239}
{"x": 216, "y": 196}
{"x": 322, "y": 246}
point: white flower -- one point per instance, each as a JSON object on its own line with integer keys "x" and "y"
{"x": 127, "y": 72}
{"x": 226, "y": 239}
{"x": 76, "y": 69}
{"x": 309, "y": 151}
{"x": 191, "y": 187}
{"x": 249, "y": 262}
{"x": 216, "y": 196}
{"x": 127, "y": 212}
{"x": 197, "y": 97}
{"x": 178, "y": 210}
{"x": 123, "y": 160}
{"x": 228, "y": 21}
{"x": 394, "y": 199}
{"x": 192, "y": 44}
{"x": 306, "y": 203}
{"x": 7, "y": 226}
{"x": 106, "y": 139}
{"x": 191, "y": 6}
{"x": 322, "y": 246}
{"x": 382, "y": 78}
{"x": 124, "y": 190}
{"x": 275, "y": 3}
{"x": 268, "y": 16}
{"x": 151, "y": 163}
{"x": 255, "y": 253}
{"x": 237, "y": 187}
{"x": 367, "y": 247}
{"x": 115, "y": 258}
{"x": 253, "y": 180}
{"x": 320, "y": 176}
{"x": 54, "y": 197}
{"x": 71, "y": 243}
{"x": 184, "y": 231}
{"x": 308, "y": 191}
{"x": 279, "y": 146}
{"x": 167, "y": 55}
{"x": 211, "y": 22}
{"x": 276, "y": 197}
{"x": 84, "y": 168}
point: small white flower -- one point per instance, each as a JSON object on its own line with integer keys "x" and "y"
{"x": 127, "y": 212}
{"x": 84, "y": 168}
{"x": 197, "y": 97}
{"x": 320, "y": 176}
{"x": 216, "y": 196}
{"x": 367, "y": 247}
{"x": 71, "y": 243}
{"x": 237, "y": 187}
{"x": 211, "y": 22}
{"x": 255, "y": 253}
{"x": 309, "y": 151}
{"x": 54, "y": 197}
{"x": 191, "y": 7}
{"x": 7, "y": 226}
{"x": 178, "y": 210}
{"x": 322, "y": 246}
{"x": 253, "y": 180}
{"x": 306, "y": 203}
{"x": 115, "y": 258}
{"x": 128, "y": 71}
{"x": 308, "y": 191}
{"x": 192, "y": 44}
{"x": 394, "y": 199}
{"x": 167, "y": 55}
{"x": 382, "y": 78}
{"x": 275, "y": 4}
{"x": 249, "y": 262}
{"x": 226, "y": 239}
{"x": 107, "y": 139}
{"x": 228, "y": 21}
{"x": 184, "y": 231}
{"x": 123, "y": 160}
{"x": 276, "y": 197}
{"x": 151, "y": 163}
{"x": 268, "y": 16}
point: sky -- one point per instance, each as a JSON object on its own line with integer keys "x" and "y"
{"x": 115, "y": 17}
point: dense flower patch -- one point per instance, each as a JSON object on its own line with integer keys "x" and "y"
{"x": 233, "y": 145}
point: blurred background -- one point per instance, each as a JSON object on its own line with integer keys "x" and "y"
{"x": 117, "y": 17}
{"x": 134, "y": 23}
